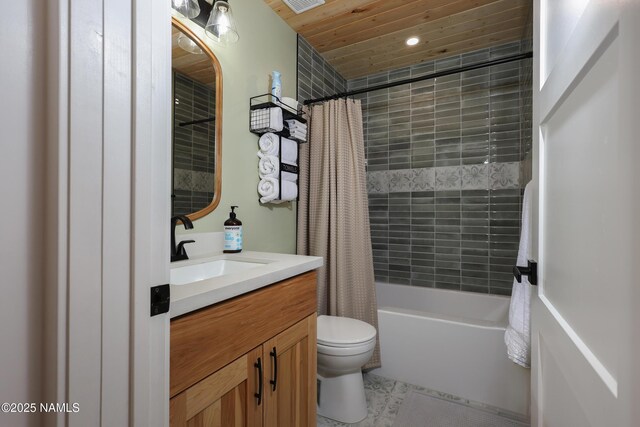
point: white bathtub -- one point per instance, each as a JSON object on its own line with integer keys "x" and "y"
{"x": 451, "y": 342}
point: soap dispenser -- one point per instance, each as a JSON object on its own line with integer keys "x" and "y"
{"x": 232, "y": 233}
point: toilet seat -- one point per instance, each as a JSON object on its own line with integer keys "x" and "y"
{"x": 347, "y": 351}
{"x": 344, "y": 332}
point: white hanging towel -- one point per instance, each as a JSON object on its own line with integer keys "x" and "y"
{"x": 518, "y": 334}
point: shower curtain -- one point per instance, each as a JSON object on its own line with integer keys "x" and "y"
{"x": 333, "y": 214}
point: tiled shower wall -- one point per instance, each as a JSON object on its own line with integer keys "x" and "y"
{"x": 193, "y": 146}
{"x": 445, "y": 171}
{"x": 316, "y": 78}
{"x": 447, "y": 160}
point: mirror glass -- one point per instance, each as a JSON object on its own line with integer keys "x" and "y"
{"x": 197, "y": 125}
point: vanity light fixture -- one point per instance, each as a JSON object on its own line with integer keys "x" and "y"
{"x": 186, "y": 8}
{"x": 185, "y": 43}
{"x": 221, "y": 26}
{"x": 412, "y": 41}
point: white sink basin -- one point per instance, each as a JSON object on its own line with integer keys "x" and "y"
{"x": 201, "y": 282}
{"x": 211, "y": 269}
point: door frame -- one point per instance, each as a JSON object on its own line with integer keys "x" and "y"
{"x": 152, "y": 209}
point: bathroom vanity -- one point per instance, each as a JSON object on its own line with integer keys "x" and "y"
{"x": 243, "y": 344}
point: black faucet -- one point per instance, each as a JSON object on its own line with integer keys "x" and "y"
{"x": 178, "y": 253}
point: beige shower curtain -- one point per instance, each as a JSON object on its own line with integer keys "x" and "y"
{"x": 333, "y": 214}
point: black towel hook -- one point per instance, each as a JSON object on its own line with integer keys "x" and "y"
{"x": 531, "y": 271}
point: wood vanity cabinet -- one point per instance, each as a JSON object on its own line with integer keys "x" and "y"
{"x": 247, "y": 361}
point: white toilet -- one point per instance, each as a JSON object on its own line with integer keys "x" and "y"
{"x": 344, "y": 346}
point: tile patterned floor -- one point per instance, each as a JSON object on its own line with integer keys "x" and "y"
{"x": 384, "y": 397}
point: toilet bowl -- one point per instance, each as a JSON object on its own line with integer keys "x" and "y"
{"x": 344, "y": 346}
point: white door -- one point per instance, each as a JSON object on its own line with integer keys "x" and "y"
{"x": 586, "y": 124}
{"x": 107, "y": 210}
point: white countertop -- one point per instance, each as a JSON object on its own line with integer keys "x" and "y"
{"x": 192, "y": 296}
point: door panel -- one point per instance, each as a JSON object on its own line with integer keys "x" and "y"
{"x": 226, "y": 398}
{"x": 582, "y": 186}
{"x": 293, "y": 402}
{"x": 210, "y": 417}
{"x": 227, "y": 411}
{"x": 232, "y": 405}
{"x": 584, "y": 142}
{"x": 570, "y": 391}
{"x": 567, "y": 411}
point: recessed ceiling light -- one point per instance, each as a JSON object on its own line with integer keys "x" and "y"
{"x": 412, "y": 41}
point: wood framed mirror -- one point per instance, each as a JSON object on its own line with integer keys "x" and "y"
{"x": 197, "y": 125}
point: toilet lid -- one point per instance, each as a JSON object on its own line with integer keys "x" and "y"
{"x": 334, "y": 331}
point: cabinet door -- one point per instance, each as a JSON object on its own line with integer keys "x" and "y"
{"x": 290, "y": 376}
{"x": 226, "y": 398}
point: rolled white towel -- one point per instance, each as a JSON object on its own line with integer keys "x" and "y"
{"x": 269, "y": 144}
{"x": 268, "y": 188}
{"x": 269, "y": 167}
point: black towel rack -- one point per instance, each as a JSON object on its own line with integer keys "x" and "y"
{"x": 285, "y": 167}
{"x": 260, "y": 124}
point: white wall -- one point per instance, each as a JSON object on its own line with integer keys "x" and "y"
{"x": 22, "y": 155}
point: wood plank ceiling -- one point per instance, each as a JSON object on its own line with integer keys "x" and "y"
{"x": 361, "y": 37}
{"x": 196, "y": 66}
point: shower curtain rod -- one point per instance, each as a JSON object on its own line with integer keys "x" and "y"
{"x": 498, "y": 61}
{"x": 197, "y": 122}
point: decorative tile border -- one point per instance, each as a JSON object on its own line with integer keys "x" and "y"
{"x": 475, "y": 177}
{"x": 448, "y": 178}
{"x": 424, "y": 179}
{"x": 504, "y": 175}
{"x": 400, "y": 180}
{"x": 377, "y": 182}
{"x": 184, "y": 179}
{"x": 492, "y": 176}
